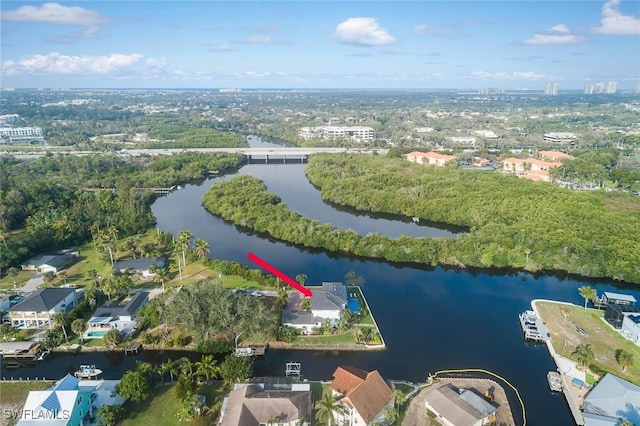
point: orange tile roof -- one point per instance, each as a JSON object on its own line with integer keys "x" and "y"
{"x": 368, "y": 393}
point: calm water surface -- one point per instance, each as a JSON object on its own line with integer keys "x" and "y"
{"x": 431, "y": 319}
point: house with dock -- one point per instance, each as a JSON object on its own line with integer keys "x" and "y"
{"x": 327, "y": 303}
{"x": 610, "y": 401}
{"x": 116, "y": 314}
{"x": 456, "y": 406}
{"x": 622, "y": 312}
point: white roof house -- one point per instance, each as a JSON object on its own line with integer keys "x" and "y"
{"x": 611, "y": 400}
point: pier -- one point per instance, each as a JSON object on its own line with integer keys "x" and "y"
{"x": 252, "y": 350}
{"x": 533, "y": 327}
{"x": 133, "y": 348}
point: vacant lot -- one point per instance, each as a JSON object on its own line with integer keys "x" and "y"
{"x": 13, "y": 396}
{"x": 564, "y": 321}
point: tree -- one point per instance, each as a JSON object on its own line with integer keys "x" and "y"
{"x": 584, "y": 355}
{"x": 48, "y": 277}
{"x": 390, "y": 414}
{"x": 588, "y": 293}
{"x": 161, "y": 276}
{"x": 63, "y": 276}
{"x": 326, "y": 408}
{"x": 236, "y": 368}
{"x": 13, "y": 273}
{"x": 92, "y": 274}
{"x": 207, "y": 367}
{"x": 53, "y": 338}
{"x": 60, "y": 319}
{"x": 283, "y": 297}
{"x": 301, "y": 278}
{"x": 112, "y": 337}
{"x": 201, "y": 248}
{"x": 135, "y": 386}
{"x": 79, "y": 326}
{"x": 184, "y": 239}
{"x": 353, "y": 280}
{"x": 109, "y": 415}
{"x": 305, "y": 304}
{"x": 624, "y": 358}
{"x": 185, "y": 387}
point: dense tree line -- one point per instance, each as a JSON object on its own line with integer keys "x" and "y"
{"x": 513, "y": 222}
{"x": 44, "y": 204}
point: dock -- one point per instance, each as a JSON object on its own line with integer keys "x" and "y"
{"x": 533, "y": 327}
{"x": 252, "y": 350}
{"x": 133, "y": 348}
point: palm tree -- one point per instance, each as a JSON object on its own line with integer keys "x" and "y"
{"x": 201, "y": 248}
{"x": 326, "y": 409}
{"x": 79, "y": 326}
{"x": 624, "y": 358}
{"x": 169, "y": 366}
{"x": 207, "y": 367}
{"x": 92, "y": 274}
{"x": 584, "y": 354}
{"x": 588, "y": 293}
{"x": 301, "y": 278}
{"x": 48, "y": 277}
{"x": 63, "y": 276}
{"x": 161, "y": 276}
{"x": 184, "y": 239}
{"x": 271, "y": 421}
{"x": 353, "y": 280}
{"x": 305, "y": 304}
{"x": 60, "y": 320}
{"x": 283, "y": 297}
{"x": 13, "y": 273}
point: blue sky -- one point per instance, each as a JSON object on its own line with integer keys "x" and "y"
{"x": 313, "y": 44}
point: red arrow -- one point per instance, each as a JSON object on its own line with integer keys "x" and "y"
{"x": 302, "y": 289}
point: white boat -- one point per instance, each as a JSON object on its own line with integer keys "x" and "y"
{"x": 43, "y": 355}
{"x": 87, "y": 371}
{"x": 555, "y": 381}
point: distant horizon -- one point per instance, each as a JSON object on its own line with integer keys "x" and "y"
{"x": 336, "y": 45}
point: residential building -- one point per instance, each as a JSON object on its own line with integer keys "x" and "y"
{"x": 359, "y": 133}
{"x": 431, "y": 158}
{"x": 70, "y": 402}
{"x": 529, "y": 168}
{"x": 612, "y": 87}
{"x": 513, "y": 165}
{"x": 37, "y": 309}
{"x": 551, "y": 88}
{"x": 611, "y": 400}
{"x": 119, "y": 315}
{"x": 423, "y": 129}
{"x": 463, "y": 140}
{"x": 256, "y": 404}
{"x": 50, "y": 262}
{"x": 555, "y": 156}
{"x": 327, "y": 303}
{"x": 588, "y": 89}
{"x": 459, "y": 407}
{"x": 141, "y": 267}
{"x": 362, "y": 396}
{"x": 487, "y": 134}
{"x": 631, "y": 327}
{"x": 600, "y": 87}
{"x": 16, "y": 134}
{"x": 560, "y": 137}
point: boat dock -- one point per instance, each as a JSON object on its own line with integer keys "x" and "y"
{"x": 253, "y": 350}
{"x": 533, "y": 327}
{"x": 133, "y": 348}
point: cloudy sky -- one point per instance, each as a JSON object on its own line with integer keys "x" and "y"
{"x": 320, "y": 44}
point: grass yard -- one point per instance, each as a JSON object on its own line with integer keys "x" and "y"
{"x": 346, "y": 338}
{"x": 600, "y": 335}
{"x": 13, "y": 396}
{"x": 160, "y": 409}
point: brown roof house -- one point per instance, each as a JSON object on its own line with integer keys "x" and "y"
{"x": 362, "y": 396}
{"x": 431, "y": 158}
{"x": 256, "y": 404}
{"x": 459, "y": 407}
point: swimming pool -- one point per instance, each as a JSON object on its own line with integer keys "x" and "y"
{"x": 97, "y": 334}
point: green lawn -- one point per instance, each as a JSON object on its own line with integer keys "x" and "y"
{"x": 346, "y": 338}
{"x": 600, "y": 335}
{"x": 161, "y": 408}
{"x": 13, "y": 397}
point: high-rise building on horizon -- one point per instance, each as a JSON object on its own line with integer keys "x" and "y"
{"x": 588, "y": 89}
{"x": 551, "y": 88}
{"x": 612, "y": 87}
{"x": 600, "y": 87}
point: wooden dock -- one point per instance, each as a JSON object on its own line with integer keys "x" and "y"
{"x": 252, "y": 350}
{"x": 133, "y": 348}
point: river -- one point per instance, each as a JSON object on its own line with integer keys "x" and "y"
{"x": 431, "y": 318}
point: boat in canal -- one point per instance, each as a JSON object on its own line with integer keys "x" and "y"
{"x": 555, "y": 381}
{"x": 87, "y": 371}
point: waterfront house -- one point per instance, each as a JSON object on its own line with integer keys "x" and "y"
{"x": 459, "y": 407}
{"x": 37, "y": 309}
{"x": 611, "y": 400}
{"x": 631, "y": 327}
{"x": 326, "y": 303}
{"x": 49, "y": 262}
{"x": 362, "y": 396}
{"x": 69, "y": 402}
{"x": 116, "y": 314}
{"x": 142, "y": 267}
{"x": 430, "y": 158}
{"x": 256, "y": 404}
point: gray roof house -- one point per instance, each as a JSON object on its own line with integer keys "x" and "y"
{"x": 49, "y": 262}
{"x": 117, "y": 314}
{"x": 326, "y": 303}
{"x": 461, "y": 407}
{"x": 140, "y": 266}
{"x": 612, "y": 399}
{"x": 37, "y": 309}
{"x": 254, "y": 404}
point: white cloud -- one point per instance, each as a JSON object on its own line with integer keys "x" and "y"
{"x": 157, "y": 65}
{"x": 558, "y": 34}
{"x": 516, "y": 75}
{"x": 56, "y": 63}
{"x": 363, "y": 32}
{"x": 55, "y": 13}
{"x": 615, "y": 23}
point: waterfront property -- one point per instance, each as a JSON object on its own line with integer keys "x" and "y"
{"x": 327, "y": 303}
{"x": 287, "y": 402}
{"x": 142, "y": 267}
{"x": 610, "y": 401}
{"x": 622, "y": 313}
{"x": 37, "y": 309}
{"x": 16, "y": 353}
{"x": 460, "y": 406}
{"x": 49, "y": 262}
{"x": 362, "y": 396}
{"x": 116, "y": 314}
{"x": 533, "y": 327}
